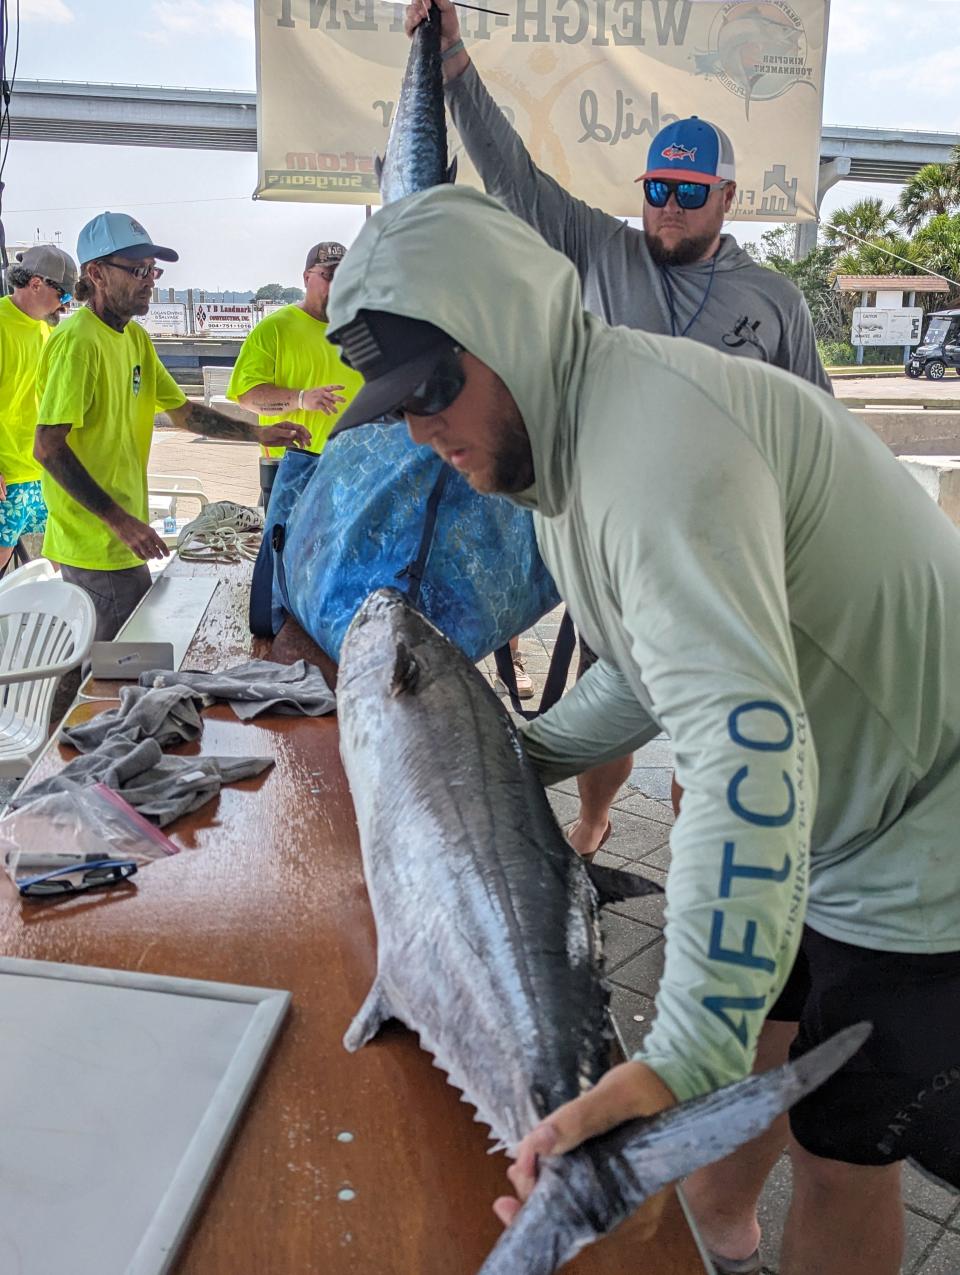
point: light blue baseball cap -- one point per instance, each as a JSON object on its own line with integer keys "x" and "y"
{"x": 118, "y": 234}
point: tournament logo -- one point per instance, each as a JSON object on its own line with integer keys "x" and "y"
{"x": 136, "y": 380}
{"x": 673, "y": 151}
{"x": 135, "y": 226}
{"x": 757, "y": 50}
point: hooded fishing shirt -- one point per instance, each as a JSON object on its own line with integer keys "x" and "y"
{"x": 759, "y": 577}
{"x": 729, "y": 302}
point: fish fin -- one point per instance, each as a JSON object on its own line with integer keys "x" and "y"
{"x": 378, "y": 167}
{"x": 614, "y": 885}
{"x": 452, "y": 171}
{"x": 591, "y": 1190}
{"x": 406, "y": 672}
{"x": 373, "y": 1013}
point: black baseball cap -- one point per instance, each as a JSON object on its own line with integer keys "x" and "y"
{"x": 393, "y": 354}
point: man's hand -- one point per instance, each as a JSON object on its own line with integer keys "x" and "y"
{"x": 285, "y": 434}
{"x": 629, "y": 1090}
{"x": 449, "y": 21}
{"x": 138, "y": 536}
{"x": 323, "y": 399}
{"x": 3, "y": 487}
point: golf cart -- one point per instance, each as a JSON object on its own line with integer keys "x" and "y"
{"x": 939, "y": 349}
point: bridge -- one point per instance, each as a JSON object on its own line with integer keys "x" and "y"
{"x": 217, "y": 119}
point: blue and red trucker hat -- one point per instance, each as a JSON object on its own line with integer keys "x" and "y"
{"x": 691, "y": 150}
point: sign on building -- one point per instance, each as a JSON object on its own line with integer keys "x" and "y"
{"x": 899, "y": 326}
{"x": 586, "y": 83}
{"x": 166, "y": 319}
{"x": 220, "y": 318}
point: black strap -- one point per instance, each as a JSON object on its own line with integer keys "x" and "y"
{"x": 556, "y": 681}
{"x": 261, "y": 592}
{"x": 413, "y": 571}
{"x": 560, "y": 660}
{"x": 277, "y": 537}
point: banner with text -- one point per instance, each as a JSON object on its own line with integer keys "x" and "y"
{"x": 587, "y": 84}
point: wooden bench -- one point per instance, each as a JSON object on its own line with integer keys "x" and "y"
{"x": 269, "y": 891}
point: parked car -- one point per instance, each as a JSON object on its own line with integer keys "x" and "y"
{"x": 939, "y": 349}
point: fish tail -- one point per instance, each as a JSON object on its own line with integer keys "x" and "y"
{"x": 590, "y": 1191}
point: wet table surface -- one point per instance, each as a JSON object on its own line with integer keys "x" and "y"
{"x": 365, "y": 1163}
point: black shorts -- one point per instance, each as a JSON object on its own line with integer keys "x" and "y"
{"x": 899, "y": 1097}
{"x": 587, "y": 657}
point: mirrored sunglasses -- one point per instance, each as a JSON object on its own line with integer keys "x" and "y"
{"x": 689, "y": 195}
{"x": 63, "y": 295}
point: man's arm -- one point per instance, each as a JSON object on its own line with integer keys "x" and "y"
{"x": 798, "y": 351}
{"x": 54, "y": 453}
{"x": 199, "y": 419}
{"x": 597, "y": 720}
{"x": 271, "y": 400}
{"x": 503, "y": 162}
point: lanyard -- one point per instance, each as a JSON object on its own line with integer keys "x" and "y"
{"x": 668, "y": 288}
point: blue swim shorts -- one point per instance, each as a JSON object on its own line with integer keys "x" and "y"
{"x": 23, "y": 511}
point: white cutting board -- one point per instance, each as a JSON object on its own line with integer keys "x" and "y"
{"x": 120, "y": 1091}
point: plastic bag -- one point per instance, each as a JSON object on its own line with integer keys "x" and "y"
{"x": 74, "y": 829}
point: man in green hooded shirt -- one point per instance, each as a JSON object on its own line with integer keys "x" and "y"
{"x": 761, "y": 579}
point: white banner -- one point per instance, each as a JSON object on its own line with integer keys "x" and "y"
{"x": 219, "y": 318}
{"x": 165, "y": 319}
{"x": 587, "y": 83}
{"x": 886, "y": 326}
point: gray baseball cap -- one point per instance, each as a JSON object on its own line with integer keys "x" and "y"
{"x": 51, "y": 263}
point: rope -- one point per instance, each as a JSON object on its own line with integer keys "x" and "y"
{"x": 223, "y": 532}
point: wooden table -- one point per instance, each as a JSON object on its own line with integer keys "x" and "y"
{"x": 268, "y": 890}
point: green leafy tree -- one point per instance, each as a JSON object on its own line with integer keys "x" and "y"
{"x": 269, "y": 292}
{"x": 931, "y": 192}
{"x": 865, "y": 219}
{"x": 292, "y": 294}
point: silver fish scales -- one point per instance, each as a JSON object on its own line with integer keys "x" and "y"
{"x": 488, "y": 937}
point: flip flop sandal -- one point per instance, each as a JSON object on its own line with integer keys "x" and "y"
{"x": 589, "y": 858}
{"x": 751, "y": 1265}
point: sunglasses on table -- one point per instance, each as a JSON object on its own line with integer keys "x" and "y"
{"x": 63, "y": 295}
{"x": 689, "y": 195}
{"x": 438, "y": 389}
{"x": 74, "y": 879}
{"x": 138, "y": 272}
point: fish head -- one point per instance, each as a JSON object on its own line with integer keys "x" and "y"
{"x": 378, "y": 657}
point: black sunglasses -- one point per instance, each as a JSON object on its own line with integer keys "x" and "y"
{"x": 689, "y": 195}
{"x": 138, "y": 272}
{"x": 439, "y": 389}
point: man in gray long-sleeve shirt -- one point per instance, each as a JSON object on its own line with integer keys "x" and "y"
{"x": 679, "y": 276}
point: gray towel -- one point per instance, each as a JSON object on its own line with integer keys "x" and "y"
{"x": 170, "y": 717}
{"x": 160, "y": 786}
{"x": 259, "y": 686}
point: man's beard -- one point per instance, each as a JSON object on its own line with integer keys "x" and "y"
{"x": 682, "y": 254}
{"x": 513, "y": 458}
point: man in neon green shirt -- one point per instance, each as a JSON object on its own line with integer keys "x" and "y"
{"x": 42, "y": 280}
{"x": 101, "y": 383}
{"x": 287, "y": 370}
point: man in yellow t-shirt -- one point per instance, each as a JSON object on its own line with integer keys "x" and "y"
{"x": 41, "y": 281}
{"x": 287, "y": 370}
{"x": 100, "y": 383}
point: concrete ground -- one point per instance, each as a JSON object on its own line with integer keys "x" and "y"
{"x": 899, "y": 389}
{"x": 642, "y": 822}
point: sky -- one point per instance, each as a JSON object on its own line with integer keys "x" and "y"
{"x": 890, "y": 63}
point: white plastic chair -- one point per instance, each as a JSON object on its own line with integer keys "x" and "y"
{"x": 35, "y": 569}
{"x": 46, "y": 629}
{"x": 164, "y": 490}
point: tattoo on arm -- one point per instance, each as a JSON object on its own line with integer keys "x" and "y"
{"x": 269, "y": 400}
{"x": 199, "y": 419}
{"x": 54, "y": 454}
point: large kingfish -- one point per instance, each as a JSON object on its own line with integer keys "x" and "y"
{"x": 416, "y": 155}
{"x": 488, "y": 937}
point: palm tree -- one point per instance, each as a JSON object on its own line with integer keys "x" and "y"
{"x": 933, "y": 190}
{"x": 867, "y": 219}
